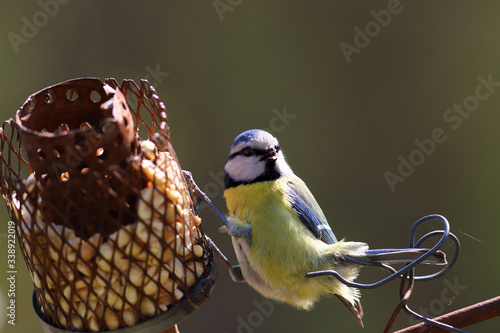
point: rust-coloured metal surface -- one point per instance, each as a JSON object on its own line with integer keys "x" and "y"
{"x": 104, "y": 217}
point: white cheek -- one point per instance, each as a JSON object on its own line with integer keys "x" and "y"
{"x": 243, "y": 168}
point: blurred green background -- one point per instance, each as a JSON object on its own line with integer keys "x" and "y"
{"x": 227, "y": 66}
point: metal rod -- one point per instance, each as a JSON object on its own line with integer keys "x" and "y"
{"x": 464, "y": 317}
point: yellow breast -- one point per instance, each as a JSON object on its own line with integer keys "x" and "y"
{"x": 280, "y": 242}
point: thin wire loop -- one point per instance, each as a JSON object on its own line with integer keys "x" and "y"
{"x": 407, "y": 273}
{"x": 445, "y": 234}
{"x": 450, "y": 264}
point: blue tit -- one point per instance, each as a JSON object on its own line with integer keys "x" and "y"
{"x": 280, "y": 233}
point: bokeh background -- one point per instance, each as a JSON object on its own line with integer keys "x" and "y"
{"x": 226, "y": 66}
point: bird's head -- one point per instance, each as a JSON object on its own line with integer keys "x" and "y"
{"x": 255, "y": 156}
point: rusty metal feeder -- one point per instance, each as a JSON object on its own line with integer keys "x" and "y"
{"x": 105, "y": 219}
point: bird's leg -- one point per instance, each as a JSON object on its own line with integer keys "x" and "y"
{"x": 199, "y": 196}
{"x": 234, "y": 270}
{"x": 238, "y": 231}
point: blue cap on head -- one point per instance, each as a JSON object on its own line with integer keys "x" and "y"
{"x": 249, "y": 135}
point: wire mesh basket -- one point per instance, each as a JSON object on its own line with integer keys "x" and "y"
{"x": 104, "y": 219}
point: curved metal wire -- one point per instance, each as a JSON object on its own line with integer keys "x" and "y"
{"x": 445, "y": 234}
{"x": 410, "y": 276}
{"x": 432, "y": 321}
{"x": 452, "y": 261}
{"x": 407, "y": 273}
{"x": 405, "y": 291}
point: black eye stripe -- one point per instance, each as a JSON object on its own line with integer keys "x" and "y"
{"x": 247, "y": 151}
{"x": 251, "y": 151}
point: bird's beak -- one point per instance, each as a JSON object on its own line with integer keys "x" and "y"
{"x": 270, "y": 155}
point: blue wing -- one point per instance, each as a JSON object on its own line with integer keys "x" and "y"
{"x": 308, "y": 210}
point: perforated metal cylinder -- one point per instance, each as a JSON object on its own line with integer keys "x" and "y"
{"x": 104, "y": 218}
